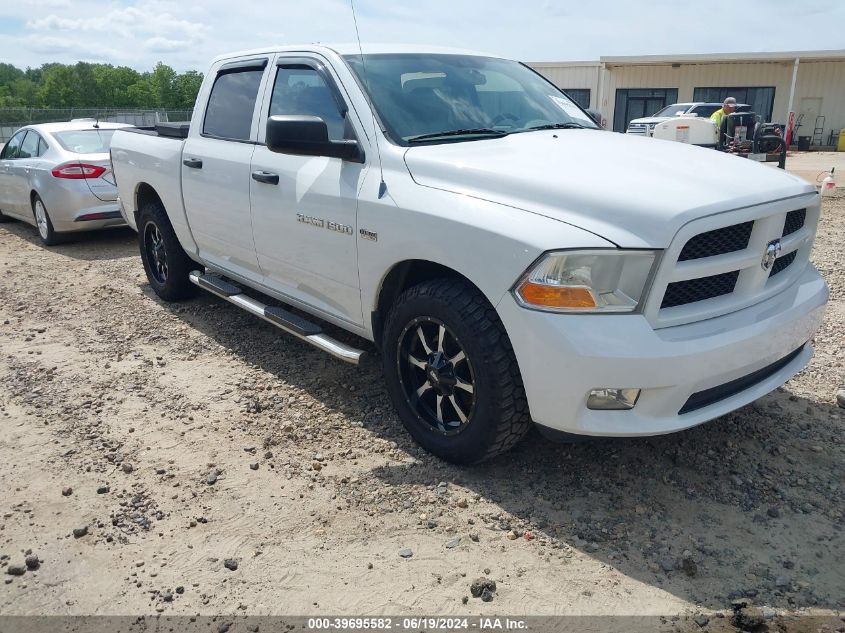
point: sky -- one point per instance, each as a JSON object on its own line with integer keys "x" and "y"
{"x": 188, "y": 35}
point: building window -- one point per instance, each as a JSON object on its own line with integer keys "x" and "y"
{"x": 761, "y": 99}
{"x": 581, "y": 96}
{"x": 635, "y": 103}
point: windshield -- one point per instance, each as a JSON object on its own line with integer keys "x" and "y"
{"x": 673, "y": 110}
{"x": 85, "y": 141}
{"x": 461, "y": 97}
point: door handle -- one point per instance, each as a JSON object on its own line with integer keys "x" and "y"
{"x": 193, "y": 163}
{"x": 266, "y": 177}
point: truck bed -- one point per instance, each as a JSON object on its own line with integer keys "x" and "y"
{"x": 151, "y": 158}
{"x": 170, "y": 130}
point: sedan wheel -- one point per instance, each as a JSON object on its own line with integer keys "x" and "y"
{"x": 42, "y": 221}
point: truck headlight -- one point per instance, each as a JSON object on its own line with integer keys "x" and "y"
{"x": 603, "y": 280}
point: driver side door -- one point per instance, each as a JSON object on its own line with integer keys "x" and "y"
{"x": 8, "y": 156}
{"x": 304, "y": 208}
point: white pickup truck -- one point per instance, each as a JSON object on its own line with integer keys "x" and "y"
{"x": 512, "y": 263}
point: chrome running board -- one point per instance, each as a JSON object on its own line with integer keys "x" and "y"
{"x": 287, "y": 321}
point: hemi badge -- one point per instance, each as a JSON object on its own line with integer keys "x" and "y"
{"x": 369, "y": 235}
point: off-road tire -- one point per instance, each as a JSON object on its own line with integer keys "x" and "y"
{"x": 175, "y": 284}
{"x": 500, "y": 417}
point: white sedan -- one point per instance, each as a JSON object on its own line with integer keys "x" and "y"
{"x": 57, "y": 177}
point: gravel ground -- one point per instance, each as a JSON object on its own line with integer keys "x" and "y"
{"x": 185, "y": 459}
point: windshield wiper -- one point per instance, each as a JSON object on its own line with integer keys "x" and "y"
{"x": 558, "y": 126}
{"x": 481, "y": 131}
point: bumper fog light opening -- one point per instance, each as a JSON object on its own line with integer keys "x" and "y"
{"x": 612, "y": 399}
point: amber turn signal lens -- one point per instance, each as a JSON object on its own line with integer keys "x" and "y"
{"x": 556, "y": 296}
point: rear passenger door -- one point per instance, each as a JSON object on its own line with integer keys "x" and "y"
{"x": 305, "y": 220}
{"x": 216, "y": 168}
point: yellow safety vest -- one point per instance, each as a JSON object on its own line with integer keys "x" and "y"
{"x": 716, "y": 117}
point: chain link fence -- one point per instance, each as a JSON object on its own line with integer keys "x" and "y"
{"x": 13, "y": 118}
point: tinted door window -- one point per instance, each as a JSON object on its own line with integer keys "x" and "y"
{"x": 29, "y": 147}
{"x": 232, "y": 103}
{"x": 42, "y": 146}
{"x": 302, "y": 90}
{"x": 12, "y": 147}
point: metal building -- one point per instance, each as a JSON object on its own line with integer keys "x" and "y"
{"x": 810, "y": 83}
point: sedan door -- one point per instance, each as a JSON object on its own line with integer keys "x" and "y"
{"x": 304, "y": 208}
{"x": 7, "y": 175}
{"x": 22, "y": 172}
{"x": 216, "y": 168}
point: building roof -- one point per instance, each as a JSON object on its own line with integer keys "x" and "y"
{"x": 707, "y": 58}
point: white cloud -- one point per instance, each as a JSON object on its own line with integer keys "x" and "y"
{"x": 187, "y": 35}
{"x": 164, "y": 45}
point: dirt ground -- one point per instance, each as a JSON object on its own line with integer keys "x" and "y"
{"x": 189, "y": 459}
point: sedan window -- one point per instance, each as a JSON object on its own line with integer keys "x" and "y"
{"x": 12, "y": 147}
{"x": 29, "y": 147}
{"x": 85, "y": 141}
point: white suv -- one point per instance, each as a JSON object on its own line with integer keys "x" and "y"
{"x": 645, "y": 126}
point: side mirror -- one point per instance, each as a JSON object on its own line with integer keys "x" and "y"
{"x": 308, "y": 136}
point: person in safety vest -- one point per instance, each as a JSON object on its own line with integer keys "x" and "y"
{"x": 728, "y": 107}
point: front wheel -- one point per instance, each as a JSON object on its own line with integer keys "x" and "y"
{"x": 452, "y": 374}
{"x": 165, "y": 261}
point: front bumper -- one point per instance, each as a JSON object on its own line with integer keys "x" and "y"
{"x": 563, "y": 357}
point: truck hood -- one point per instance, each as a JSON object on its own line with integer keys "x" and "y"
{"x": 635, "y": 192}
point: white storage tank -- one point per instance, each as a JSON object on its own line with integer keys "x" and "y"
{"x": 687, "y": 129}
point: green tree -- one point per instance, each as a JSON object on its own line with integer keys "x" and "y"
{"x": 25, "y": 92}
{"x": 86, "y": 85}
{"x": 85, "y": 92}
{"x": 163, "y": 81}
{"x": 188, "y": 86}
{"x": 58, "y": 89}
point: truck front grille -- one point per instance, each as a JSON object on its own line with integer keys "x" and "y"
{"x": 716, "y": 265}
{"x": 683, "y": 292}
{"x": 794, "y": 221}
{"x": 717, "y": 242}
{"x": 781, "y": 263}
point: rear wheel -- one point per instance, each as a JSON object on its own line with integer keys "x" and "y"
{"x": 43, "y": 223}
{"x": 452, "y": 374}
{"x": 165, "y": 261}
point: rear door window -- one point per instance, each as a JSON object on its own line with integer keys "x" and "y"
{"x": 29, "y": 147}
{"x": 231, "y": 104}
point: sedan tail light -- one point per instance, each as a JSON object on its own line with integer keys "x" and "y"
{"x": 78, "y": 171}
